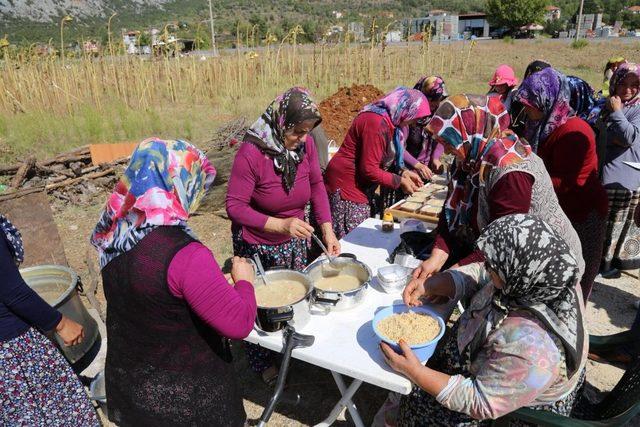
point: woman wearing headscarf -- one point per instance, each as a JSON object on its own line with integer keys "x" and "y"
{"x": 521, "y": 343}
{"x": 612, "y": 65}
{"x": 503, "y": 85}
{"x": 518, "y": 115}
{"x": 372, "y": 155}
{"x": 566, "y": 143}
{"x": 170, "y": 309}
{"x": 620, "y": 131}
{"x": 494, "y": 174}
{"x": 274, "y": 175}
{"x": 420, "y": 145}
{"x": 37, "y": 385}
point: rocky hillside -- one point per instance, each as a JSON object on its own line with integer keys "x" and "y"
{"x": 48, "y": 10}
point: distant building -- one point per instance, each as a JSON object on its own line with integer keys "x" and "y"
{"x": 634, "y": 9}
{"x": 356, "y": 29}
{"x": 591, "y": 22}
{"x": 551, "y": 13}
{"x": 474, "y": 24}
{"x": 393, "y": 37}
{"x": 441, "y": 23}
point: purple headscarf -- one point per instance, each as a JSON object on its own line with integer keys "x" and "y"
{"x": 399, "y": 106}
{"x": 548, "y": 91}
{"x": 619, "y": 75}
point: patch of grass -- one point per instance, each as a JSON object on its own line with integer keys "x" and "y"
{"x": 579, "y": 44}
{"x": 507, "y": 40}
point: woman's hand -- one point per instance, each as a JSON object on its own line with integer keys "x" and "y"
{"x": 431, "y": 265}
{"x": 437, "y": 289}
{"x": 407, "y": 363}
{"x": 330, "y": 239}
{"x": 242, "y": 269}
{"x": 414, "y": 292}
{"x": 71, "y": 332}
{"x": 437, "y": 166}
{"x": 614, "y": 103}
{"x": 423, "y": 170}
{"x": 296, "y": 228}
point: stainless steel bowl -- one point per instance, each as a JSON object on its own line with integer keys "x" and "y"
{"x": 393, "y": 278}
{"x": 324, "y": 301}
{"x": 272, "y": 319}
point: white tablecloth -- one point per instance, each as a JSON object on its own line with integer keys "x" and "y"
{"x": 344, "y": 341}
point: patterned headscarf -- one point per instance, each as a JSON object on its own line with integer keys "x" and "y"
{"x": 163, "y": 184}
{"x": 623, "y": 71}
{"x": 540, "y": 275}
{"x": 535, "y": 66}
{"x": 582, "y": 96}
{"x": 268, "y": 132}
{"x": 14, "y": 238}
{"x": 476, "y": 127}
{"x": 547, "y": 90}
{"x": 432, "y": 87}
{"x": 399, "y": 106}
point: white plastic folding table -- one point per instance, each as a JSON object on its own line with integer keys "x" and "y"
{"x": 345, "y": 342}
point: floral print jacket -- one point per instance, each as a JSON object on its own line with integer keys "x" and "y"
{"x": 520, "y": 364}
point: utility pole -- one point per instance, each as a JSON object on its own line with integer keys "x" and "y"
{"x": 213, "y": 32}
{"x": 579, "y": 20}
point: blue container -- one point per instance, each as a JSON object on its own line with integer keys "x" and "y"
{"x": 422, "y": 351}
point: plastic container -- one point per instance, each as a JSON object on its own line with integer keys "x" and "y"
{"x": 423, "y": 351}
{"x": 387, "y": 223}
{"x": 393, "y": 278}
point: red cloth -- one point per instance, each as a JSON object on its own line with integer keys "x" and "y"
{"x": 510, "y": 195}
{"x": 570, "y": 157}
{"x": 357, "y": 166}
{"x": 195, "y": 276}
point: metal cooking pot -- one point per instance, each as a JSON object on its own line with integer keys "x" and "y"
{"x": 57, "y": 285}
{"x": 323, "y": 301}
{"x": 272, "y": 319}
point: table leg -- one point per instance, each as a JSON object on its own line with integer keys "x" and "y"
{"x": 345, "y": 402}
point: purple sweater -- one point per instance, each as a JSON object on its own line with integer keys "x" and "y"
{"x": 256, "y": 192}
{"x": 195, "y": 276}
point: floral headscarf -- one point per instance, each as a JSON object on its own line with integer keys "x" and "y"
{"x": 623, "y": 71}
{"x": 163, "y": 184}
{"x": 14, "y": 238}
{"x": 477, "y": 128}
{"x": 268, "y": 132}
{"x": 540, "y": 275}
{"x": 582, "y": 96}
{"x": 547, "y": 90}
{"x": 398, "y": 106}
{"x": 432, "y": 87}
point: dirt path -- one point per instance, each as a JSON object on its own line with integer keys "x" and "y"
{"x": 610, "y": 310}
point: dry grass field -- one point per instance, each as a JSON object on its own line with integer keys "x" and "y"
{"x": 47, "y": 106}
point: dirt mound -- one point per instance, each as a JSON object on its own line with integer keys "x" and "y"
{"x": 339, "y": 110}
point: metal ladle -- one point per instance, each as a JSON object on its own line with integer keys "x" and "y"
{"x": 336, "y": 263}
{"x": 260, "y": 268}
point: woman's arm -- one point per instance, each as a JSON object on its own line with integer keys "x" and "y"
{"x": 522, "y": 363}
{"x": 195, "y": 276}
{"x": 626, "y": 132}
{"x": 242, "y": 182}
{"x": 510, "y": 195}
{"x": 23, "y": 301}
{"x": 375, "y": 136}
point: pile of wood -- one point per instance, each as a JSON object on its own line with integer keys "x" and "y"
{"x": 69, "y": 176}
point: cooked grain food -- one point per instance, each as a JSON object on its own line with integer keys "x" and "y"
{"x": 410, "y": 206}
{"x": 440, "y": 195}
{"x": 435, "y": 202}
{"x": 417, "y": 197}
{"x": 430, "y": 210}
{"x": 414, "y": 328}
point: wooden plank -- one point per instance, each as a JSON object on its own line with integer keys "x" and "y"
{"x": 107, "y": 153}
{"x": 31, "y": 214}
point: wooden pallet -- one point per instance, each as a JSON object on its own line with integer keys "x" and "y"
{"x": 402, "y": 214}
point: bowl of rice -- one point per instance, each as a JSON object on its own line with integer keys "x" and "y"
{"x": 420, "y": 327}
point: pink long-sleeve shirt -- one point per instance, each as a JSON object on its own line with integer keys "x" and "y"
{"x": 195, "y": 276}
{"x": 256, "y": 193}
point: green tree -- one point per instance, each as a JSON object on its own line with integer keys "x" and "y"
{"x": 513, "y": 14}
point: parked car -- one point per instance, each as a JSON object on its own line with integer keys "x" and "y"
{"x": 499, "y": 33}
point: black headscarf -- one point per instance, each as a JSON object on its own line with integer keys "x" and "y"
{"x": 268, "y": 132}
